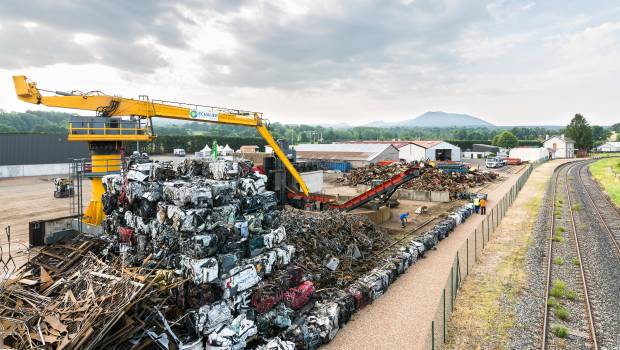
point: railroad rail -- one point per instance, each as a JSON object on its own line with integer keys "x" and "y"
{"x": 609, "y": 215}
{"x": 586, "y": 297}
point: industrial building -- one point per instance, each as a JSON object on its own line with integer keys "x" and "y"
{"x": 37, "y": 154}
{"x": 433, "y": 150}
{"x": 559, "y": 147}
{"x": 358, "y": 154}
{"x": 421, "y": 150}
{"x": 609, "y": 147}
{"x": 480, "y": 150}
{"x": 530, "y": 154}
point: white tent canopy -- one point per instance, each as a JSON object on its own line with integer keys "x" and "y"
{"x": 227, "y": 150}
{"x": 206, "y": 149}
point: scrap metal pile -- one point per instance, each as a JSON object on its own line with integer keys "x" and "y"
{"x": 200, "y": 258}
{"x": 430, "y": 179}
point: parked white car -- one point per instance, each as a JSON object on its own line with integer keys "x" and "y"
{"x": 495, "y": 162}
{"x": 179, "y": 152}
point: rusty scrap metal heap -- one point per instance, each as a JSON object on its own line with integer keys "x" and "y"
{"x": 330, "y": 246}
{"x": 200, "y": 258}
{"x": 430, "y": 179}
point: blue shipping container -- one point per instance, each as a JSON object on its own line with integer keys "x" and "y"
{"x": 340, "y": 166}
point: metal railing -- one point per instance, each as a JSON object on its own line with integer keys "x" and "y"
{"x": 123, "y": 128}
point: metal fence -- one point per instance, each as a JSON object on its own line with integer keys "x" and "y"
{"x": 465, "y": 258}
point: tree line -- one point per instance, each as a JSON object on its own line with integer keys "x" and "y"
{"x": 56, "y": 123}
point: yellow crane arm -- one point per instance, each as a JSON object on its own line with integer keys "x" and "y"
{"x": 110, "y": 106}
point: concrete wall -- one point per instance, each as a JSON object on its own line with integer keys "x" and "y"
{"x": 412, "y": 153}
{"x": 314, "y": 180}
{"x": 34, "y": 170}
{"x": 359, "y": 163}
{"x": 390, "y": 153}
{"x": 422, "y": 196}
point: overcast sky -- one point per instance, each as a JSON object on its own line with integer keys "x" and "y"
{"x": 508, "y": 62}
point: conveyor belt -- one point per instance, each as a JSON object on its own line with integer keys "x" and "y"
{"x": 384, "y": 191}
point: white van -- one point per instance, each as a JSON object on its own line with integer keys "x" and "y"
{"x": 179, "y": 152}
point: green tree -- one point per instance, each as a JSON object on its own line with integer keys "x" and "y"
{"x": 495, "y": 140}
{"x": 600, "y": 134}
{"x": 7, "y": 128}
{"x": 507, "y": 140}
{"x": 580, "y": 131}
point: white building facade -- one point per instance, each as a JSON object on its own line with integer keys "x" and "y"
{"x": 560, "y": 147}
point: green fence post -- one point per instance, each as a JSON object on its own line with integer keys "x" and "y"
{"x": 476, "y": 243}
{"x": 433, "y": 334}
{"x": 444, "y": 315}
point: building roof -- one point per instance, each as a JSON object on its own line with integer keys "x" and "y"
{"x": 342, "y": 151}
{"x": 611, "y": 144}
{"x": 397, "y": 144}
{"x": 402, "y": 143}
{"x": 426, "y": 144}
{"x": 566, "y": 139}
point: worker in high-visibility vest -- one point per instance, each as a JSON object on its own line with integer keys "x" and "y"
{"x": 483, "y": 206}
{"x": 477, "y": 205}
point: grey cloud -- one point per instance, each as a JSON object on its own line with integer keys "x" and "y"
{"x": 119, "y": 24}
{"x": 316, "y": 47}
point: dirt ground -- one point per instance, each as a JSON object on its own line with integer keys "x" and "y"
{"x": 26, "y": 199}
{"x": 482, "y": 317}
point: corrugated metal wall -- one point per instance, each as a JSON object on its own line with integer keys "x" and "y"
{"x": 17, "y": 149}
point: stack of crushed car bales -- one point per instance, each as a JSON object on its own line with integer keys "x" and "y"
{"x": 430, "y": 179}
{"x": 213, "y": 265}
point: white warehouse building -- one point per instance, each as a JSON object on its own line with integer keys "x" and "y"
{"x": 420, "y": 150}
{"x": 530, "y": 154}
{"x": 433, "y": 150}
{"x": 609, "y": 147}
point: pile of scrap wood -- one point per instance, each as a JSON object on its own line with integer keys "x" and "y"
{"x": 430, "y": 179}
{"x": 70, "y": 307}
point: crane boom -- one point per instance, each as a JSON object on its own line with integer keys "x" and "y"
{"x": 110, "y": 106}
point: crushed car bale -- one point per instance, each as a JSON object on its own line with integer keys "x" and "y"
{"x": 200, "y": 258}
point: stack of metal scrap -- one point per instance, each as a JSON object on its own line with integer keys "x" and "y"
{"x": 199, "y": 258}
{"x": 430, "y": 179}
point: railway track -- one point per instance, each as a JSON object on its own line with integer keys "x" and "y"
{"x": 562, "y": 173}
{"x": 605, "y": 211}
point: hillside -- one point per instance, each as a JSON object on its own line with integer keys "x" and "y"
{"x": 437, "y": 120}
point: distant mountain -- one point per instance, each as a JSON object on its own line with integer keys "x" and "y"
{"x": 437, "y": 120}
{"x": 336, "y": 126}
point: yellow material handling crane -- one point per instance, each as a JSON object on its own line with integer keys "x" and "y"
{"x": 106, "y": 132}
